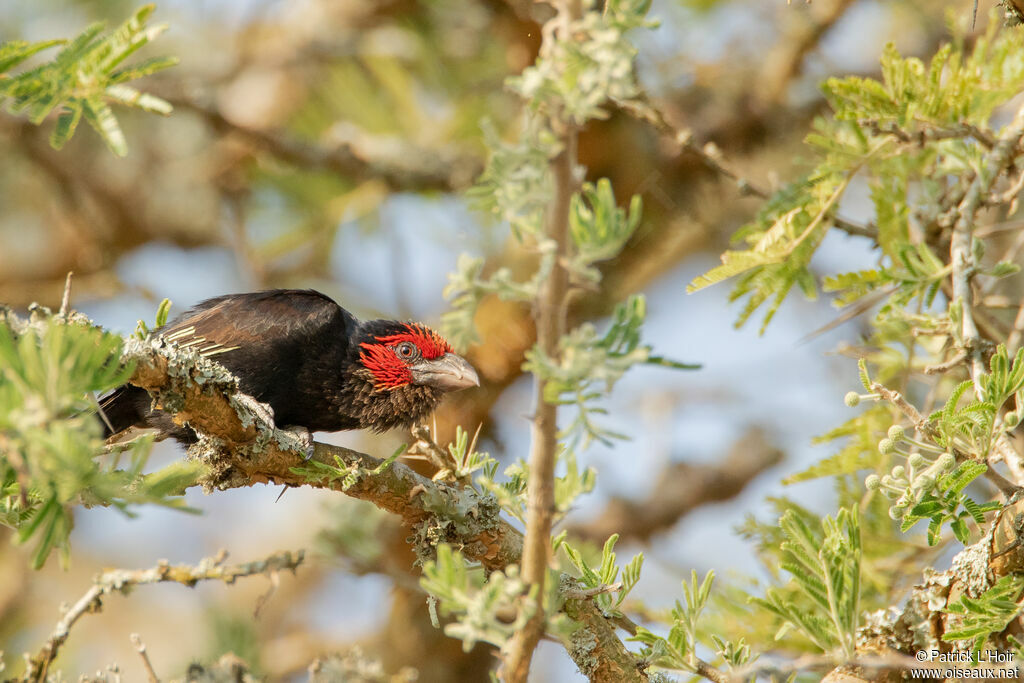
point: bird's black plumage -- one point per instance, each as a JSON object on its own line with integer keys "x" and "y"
{"x": 312, "y": 361}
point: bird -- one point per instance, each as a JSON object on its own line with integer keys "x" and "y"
{"x": 315, "y": 364}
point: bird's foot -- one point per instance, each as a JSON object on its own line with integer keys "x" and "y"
{"x": 261, "y": 411}
{"x": 298, "y": 439}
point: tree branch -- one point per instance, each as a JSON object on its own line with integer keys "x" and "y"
{"x": 962, "y": 259}
{"x": 120, "y": 580}
{"x": 711, "y": 157}
{"x": 550, "y": 316}
{"x": 597, "y": 651}
{"x": 682, "y": 487}
{"x": 243, "y": 448}
{"x": 246, "y": 449}
{"x": 353, "y": 153}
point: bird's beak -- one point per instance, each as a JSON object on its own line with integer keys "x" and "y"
{"x": 448, "y": 373}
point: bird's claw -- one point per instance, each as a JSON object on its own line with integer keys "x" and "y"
{"x": 261, "y": 411}
{"x": 298, "y": 439}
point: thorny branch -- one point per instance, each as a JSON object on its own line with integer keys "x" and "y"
{"x": 120, "y": 580}
{"x": 245, "y": 449}
{"x": 543, "y": 456}
{"x": 962, "y": 258}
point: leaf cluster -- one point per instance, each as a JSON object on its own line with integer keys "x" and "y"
{"x": 989, "y": 613}
{"x": 348, "y": 474}
{"x": 85, "y": 77}
{"x": 589, "y": 365}
{"x": 914, "y": 136}
{"x": 678, "y": 650}
{"x": 586, "y": 65}
{"x": 607, "y": 574}
{"x": 481, "y": 606}
{"x": 50, "y": 370}
{"x": 825, "y": 566}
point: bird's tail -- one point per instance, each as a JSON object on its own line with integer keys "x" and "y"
{"x": 129, "y": 406}
{"x": 122, "y": 408}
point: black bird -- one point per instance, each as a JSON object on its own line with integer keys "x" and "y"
{"x": 312, "y": 361}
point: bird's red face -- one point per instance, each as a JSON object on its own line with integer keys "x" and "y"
{"x": 416, "y": 355}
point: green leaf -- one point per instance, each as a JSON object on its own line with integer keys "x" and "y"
{"x": 102, "y": 120}
{"x": 17, "y": 51}
{"x": 963, "y": 475}
{"x": 162, "y": 312}
{"x": 81, "y": 80}
{"x": 66, "y": 124}
{"x": 131, "y": 97}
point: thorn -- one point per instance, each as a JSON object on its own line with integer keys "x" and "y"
{"x": 65, "y": 302}
{"x": 476, "y": 434}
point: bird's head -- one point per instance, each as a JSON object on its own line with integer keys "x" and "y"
{"x": 401, "y": 354}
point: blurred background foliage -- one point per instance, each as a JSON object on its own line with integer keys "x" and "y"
{"x": 329, "y": 144}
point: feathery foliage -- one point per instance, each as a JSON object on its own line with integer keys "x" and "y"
{"x": 923, "y": 140}
{"x": 51, "y": 368}
{"x": 84, "y": 79}
{"x": 478, "y": 601}
{"x": 990, "y": 613}
{"x": 874, "y": 132}
{"x": 825, "y": 566}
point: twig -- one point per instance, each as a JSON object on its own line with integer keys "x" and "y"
{"x": 586, "y": 593}
{"x": 121, "y": 579}
{"x": 402, "y": 169}
{"x": 425, "y": 445}
{"x": 1013, "y": 341}
{"x": 929, "y": 132}
{"x": 947, "y": 365}
{"x": 644, "y": 109}
{"x": 140, "y": 647}
{"x": 928, "y": 428}
{"x": 1011, "y": 193}
{"x": 20, "y": 467}
{"x": 711, "y": 157}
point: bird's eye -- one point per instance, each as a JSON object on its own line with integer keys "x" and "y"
{"x": 406, "y": 350}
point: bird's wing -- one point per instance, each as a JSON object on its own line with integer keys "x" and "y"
{"x": 258, "y": 319}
